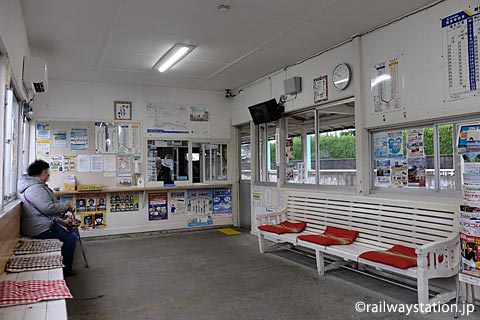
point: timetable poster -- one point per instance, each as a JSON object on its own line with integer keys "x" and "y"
{"x": 395, "y": 144}
{"x": 386, "y": 85}
{"x": 199, "y": 207}
{"x": 222, "y": 202}
{"x": 157, "y": 206}
{"x": 460, "y": 55}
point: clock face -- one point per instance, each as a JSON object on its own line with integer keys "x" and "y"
{"x": 341, "y": 76}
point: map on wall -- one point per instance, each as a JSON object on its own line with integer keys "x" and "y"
{"x": 167, "y": 118}
{"x": 386, "y": 85}
{"x": 460, "y": 55}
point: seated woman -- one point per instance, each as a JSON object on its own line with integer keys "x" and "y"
{"x": 39, "y": 208}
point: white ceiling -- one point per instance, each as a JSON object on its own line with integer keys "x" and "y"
{"x": 120, "y": 40}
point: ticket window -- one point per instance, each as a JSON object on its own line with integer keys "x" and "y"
{"x": 209, "y": 162}
{"x": 167, "y": 160}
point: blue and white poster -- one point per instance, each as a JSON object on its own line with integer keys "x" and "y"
{"x": 199, "y": 207}
{"x": 395, "y": 144}
{"x": 222, "y": 202}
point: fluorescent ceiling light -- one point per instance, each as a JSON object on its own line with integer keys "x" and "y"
{"x": 175, "y": 54}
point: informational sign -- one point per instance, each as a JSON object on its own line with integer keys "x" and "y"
{"x": 59, "y": 139}
{"x": 380, "y": 145}
{"x": 399, "y": 172}
{"x": 460, "y": 55}
{"x": 42, "y": 149}
{"x": 56, "y": 163}
{"x": 395, "y": 144}
{"x": 468, "y": 138}
{"x": 387, "y": 85}
{"x": 69, "y": 163}
{"x": 96, "y": 161}
{"x": 199, "y": 120}
{"x": 106, "y": 137}
{"x": 320, "y": 89}
{"x": 167, "y": 118}
{"x": 129, "y": 138}
{"x": 124, "y": 202}
{"x": 416, "y": 172}
{"x": 222, "y": 202}
{"x": 78, "y": 138}
{"x": 177, "y": 200}
{"x": 415, "y": 143}
{"x": 43, "y": 130}
{"x": 157, "y": 206}
{"x": 199, "y": 207}
{"x": 384, "y": 171}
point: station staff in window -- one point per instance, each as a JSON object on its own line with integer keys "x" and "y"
{"x": 164, "y": 172}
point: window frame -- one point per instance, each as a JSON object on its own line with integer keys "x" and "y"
{"x": 261, "y": 163}
{"x": 435, "y": 125}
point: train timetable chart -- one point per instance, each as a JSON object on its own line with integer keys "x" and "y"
{"x": 460, "y": 55}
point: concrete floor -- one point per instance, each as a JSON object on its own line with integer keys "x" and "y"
{"x": 209, "y": 275}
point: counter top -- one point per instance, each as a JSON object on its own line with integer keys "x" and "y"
{"x": 143, "y": 189}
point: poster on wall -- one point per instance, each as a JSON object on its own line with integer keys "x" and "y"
{"x": 167, "y": 118}
{"x": 78, "y": 138}
{"x": 222, "y": 202}
{"x": 93, "y": 210}
{"x": 43, "y": 130}
{"x": 124, "y": 164}
{"x": 69, "y": 163}
{"x": 387, "y": 85}
{"x": 157, "y": 206}
{"x": 199, "y": 120}
{"x": 416, "y": 172}
{"x": 83, "y": 163}
{"x": 460, "y": 55}
{"x": 415, "y": 147}
{"x": 59, "y": 139}
{"x": 96, "y": 161}
{"x": 320, "y": 89}
{"x": 42, "y": 149}
{"x": 56, "y": 163}
{"x": 395, "y": 144}
{"x": 129, "y": 138}
{"x": 106, "y": 137}
{"x": 399, "y": 172}
{"x": 124, "y": 202}
{"x": 177, "y": 202}
{"x": 199, "y": 207}
{"x": 384, "y": 171}
{"x": 468, "y": 138}
{"x": 110, "y": 163}
{"x": 380, "y": 145}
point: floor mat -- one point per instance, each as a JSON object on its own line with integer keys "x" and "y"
{"x": 229, "y": 231}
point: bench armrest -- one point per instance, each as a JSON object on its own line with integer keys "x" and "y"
{"x": 439, "y": 255}
{"x": 271, "y": 217}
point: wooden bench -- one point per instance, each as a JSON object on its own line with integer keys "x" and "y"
{"x": 430, "y": 228}
{"x": 9, "y": 237}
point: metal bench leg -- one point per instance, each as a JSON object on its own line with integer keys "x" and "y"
{"x": 83, "y": 251}
{"x": 320, "y": 262}
{"x": 261, "y": 243}
{"x": 422, "y": 287}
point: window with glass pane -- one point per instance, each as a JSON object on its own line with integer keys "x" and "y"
{"x": 245, "y": 153}
{"x": 10, "y": 164}
{"x": 447, "y": 164}
{"x": 167, "y": 159}
{"x": 336, "y": 150}
{"x": 267, "y": 153}
{"x": 209, "y": 162}
{"x": 300, "y": 148}
{"x": 405, "y": 158}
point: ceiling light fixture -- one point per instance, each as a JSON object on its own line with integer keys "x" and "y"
{"x": 175, "y": 54}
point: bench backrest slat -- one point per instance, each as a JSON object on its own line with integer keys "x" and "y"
{"x": 381, "y": 222}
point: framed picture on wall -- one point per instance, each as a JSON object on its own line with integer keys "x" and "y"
{"x": 123, "y": 110}
{"x": 320, "y": 89}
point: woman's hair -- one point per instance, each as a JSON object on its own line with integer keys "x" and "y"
{"x": 36, "y": 168}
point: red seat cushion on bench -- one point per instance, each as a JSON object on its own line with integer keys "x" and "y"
{"x": 331, "y": 236}
{"x": 397, "y": 256}
{"x": 284, "y": 227}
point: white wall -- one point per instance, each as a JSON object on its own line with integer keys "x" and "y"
{"x": 419, "y": 39}
{"x": 14, "y": 38}
{"x": 272, "y": 87}
{"x": 93, "y": 101}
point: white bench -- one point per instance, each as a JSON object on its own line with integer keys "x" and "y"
{"x": 430, "y": 228}
{"x": 45, "y": 310}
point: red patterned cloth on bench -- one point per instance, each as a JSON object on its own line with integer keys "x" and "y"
{"x": 38, "y": 246}
{"x": 20, "y": 264}
{"x": 331, "y": 236}
{"x": 398, "y": 256}
{"x": 32, "y": 291}
{"x": 284, "y": 227}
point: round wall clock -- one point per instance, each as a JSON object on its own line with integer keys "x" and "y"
{"x": 341, "y": 76}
